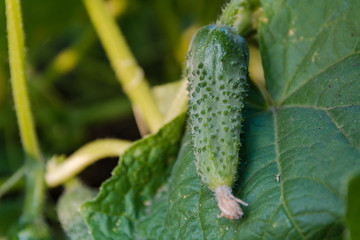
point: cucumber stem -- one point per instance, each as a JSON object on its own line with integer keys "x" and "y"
{"x": 228, "y": 204}
{"x": 240, "y": 15}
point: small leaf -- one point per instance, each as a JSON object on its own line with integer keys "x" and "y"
{"x": 142, "y": 169}
{"x": 164, "y": 95}
{"x": 68, "y": 210}
{"x": 353, "y": 207}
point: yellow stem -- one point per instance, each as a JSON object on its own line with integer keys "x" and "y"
{"x": 57, "y": 174}
{"x": 18, "y": 81}
{"x": 35, "y": 185}
{"x": 128, "y": 72}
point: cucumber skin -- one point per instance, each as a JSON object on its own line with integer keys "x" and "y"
{"x": 217, "y": 71}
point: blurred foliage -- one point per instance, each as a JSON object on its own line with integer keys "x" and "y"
{"x": 85, "y": 103}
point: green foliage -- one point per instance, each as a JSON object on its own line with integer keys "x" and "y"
{"x": 142, "y": 169}
{"x": 300, "y": 141}
{"x": 80, "y": 100}
{"x": 238, "y": 14}
{"x": 69, "y": 108}
{"x": 308, "y": 137}
{"x": 37, "y": 229}
{"x": 10, "y": 210}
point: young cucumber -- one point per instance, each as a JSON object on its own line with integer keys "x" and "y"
{"x": 217, "y": 71}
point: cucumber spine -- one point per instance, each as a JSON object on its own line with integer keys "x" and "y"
{"x": 217, "y": 71}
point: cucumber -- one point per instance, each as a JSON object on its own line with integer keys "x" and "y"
{"x": 217, "y": 71}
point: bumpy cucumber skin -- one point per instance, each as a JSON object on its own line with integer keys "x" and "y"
{"x": 217, "y": 71}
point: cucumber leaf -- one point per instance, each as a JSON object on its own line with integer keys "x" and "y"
{"x": 141, "y": 171}
{"x": 299, "y": 153}
{"x": 150, "y": 225}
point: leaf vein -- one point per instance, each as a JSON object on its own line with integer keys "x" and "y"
{"x": 317, "y": 108}
{"x": 269, "y": 220}
{"x": 256, "y": 172}
{"x": 316, "y": 180}
{"x": 323, "y": 27}
{"x": 198, "y": 213}
{"x": 316, "y": 75}
{"x": 282, "y": 199}
{"x": 341, "y": 131}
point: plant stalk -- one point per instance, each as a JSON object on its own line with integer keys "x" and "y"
{"x": 34, "y": 161}
{"x": 239, "y": 15}
{"x": 128, "y": 72}
{"x": 91, "y": 152}
{"x": 7, "y": 185}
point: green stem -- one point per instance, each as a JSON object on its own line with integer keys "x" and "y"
{"x": 128, "y": 72}
{"x": 12, "y": 181}
{"x": 239, "y": 15}
{"x": 2, "y": 86}
{"x": 35, "y": 190}
{"x": 34, "y": 160}
{"x": 19, "y": 87}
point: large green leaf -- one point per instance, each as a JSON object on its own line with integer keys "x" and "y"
{"x": 142, "y": 169}
{"x": 309, "y": 136}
